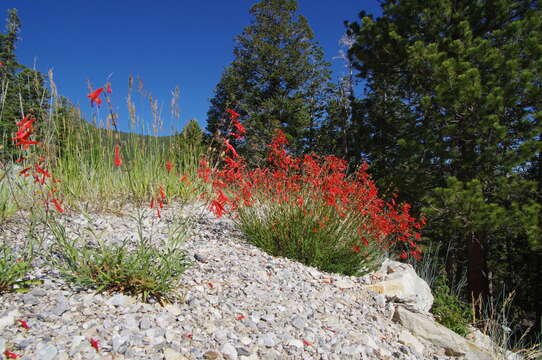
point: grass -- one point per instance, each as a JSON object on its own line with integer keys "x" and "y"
{"x": 146, "y": 270}
{"x": 13, "y": 271}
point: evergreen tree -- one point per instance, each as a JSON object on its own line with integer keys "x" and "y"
{"x": 276, "y": 80}
{"x": 21, "y": 89}
{"x": 452, "y": 117}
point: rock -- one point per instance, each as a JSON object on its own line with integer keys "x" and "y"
{"x": 211, "y": 355}
{"x": 170, "y": 354}
{"x": 406, "y": 338}
{"x": 269, "y": 340}
{"x": 245, "y": 340}
{"x": 229, "y": 351}
{"x": 401, "y": 284}
{"x": 241, "y": 351}
{"x": 45, "y": 351}
{"x": 120, "y": 300}
{"x": 118, "y": 341}
{"x": 200, "y": 258}
{"x": 298, "y": 323}
{"x": 2, "y": 345}
{"x": 61, "y": 307}
{"x": 8, "y": 318}
{"x": 344, "y": 284}
{"x": 424, "y": 327}
{"x": 173, "y": 309}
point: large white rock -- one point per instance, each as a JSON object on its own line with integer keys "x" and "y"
{"x": 400, "y": 283}
{"x": 426, "y": 328}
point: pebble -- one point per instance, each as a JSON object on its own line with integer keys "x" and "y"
{"x": 283, "y": 303}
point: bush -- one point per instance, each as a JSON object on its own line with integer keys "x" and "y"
{"x": 311, "y": 210}
{"x": 448, "y": 309}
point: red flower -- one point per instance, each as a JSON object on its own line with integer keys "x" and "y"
{"x": 169, "y": 166}
{"x": 57, "y": 205}
{"x": 356, "y": 249}
{"x": 403, "y": 255}
{"x": 108, "y": 88}
{"x": 95, "y": 96}
{"x": 162, "y": 193}
{"x": 230, "y": 148}
{"x": 306, "y": 342}
{"x": 188, "y": 336}
{"x": 240, "y": 317}
{"x": 23, "y": 171}
{"x": 10, "y": 355}
{"x": 118, "y": 160}
{"x": 20, "y": 160}
{"x": 95, "y": 344}
{"x": 24, "y": 324}
{"x": 233, "y": 114}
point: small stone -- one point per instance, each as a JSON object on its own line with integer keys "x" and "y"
{"x": 245, "y": 340}
{"x": 170, "y": 354}
{"x": 8, "y": 318}
{"x": 61, "y": 307}
{"x": 344, "y": 284}
{"x": 269, "y": 340}
{"x": 298, "y": 323}
{"x": 2, "y": 345}
{"x": 241, "y": 351}
{"x": 29, "y": 299}
{"x": 173, "y": 309}
{"x": 38, "y": 292}
{"x": 211, "y": 355}
{"x": 46, "y": 351}
{"x": 120, "y": 300}
{"x": 200, "y": 258}
{"x": 295, "y": 342}
{"x": 228, "y": 351}
{"x": 145, "y": 323}
{"x": 118, "y": 341}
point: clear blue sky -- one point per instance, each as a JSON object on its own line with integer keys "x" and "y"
{"x": 167, "y": 43}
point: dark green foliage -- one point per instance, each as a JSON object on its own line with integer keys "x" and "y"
{"x": 276, "y": 80}
{"x": 22, "y": 90}
{"x": 448, "y": 309}
{"x": 452, "y": 118}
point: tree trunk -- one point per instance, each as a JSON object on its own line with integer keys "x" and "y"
{"x": 477, "y": 267}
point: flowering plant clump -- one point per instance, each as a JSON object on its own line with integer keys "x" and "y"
{"x": 310, "y": 209}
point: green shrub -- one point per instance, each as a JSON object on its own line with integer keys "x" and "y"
{"x": 13, "y": 270}
{"x": 146, "y": 271}
{"x": 448, "y": 309}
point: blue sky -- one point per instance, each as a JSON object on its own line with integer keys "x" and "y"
{"x": 167, "y": 43}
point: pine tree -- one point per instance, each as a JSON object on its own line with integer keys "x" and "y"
{"x": 276, "y": 80}
{"x": 451, "y": 117}
{"x": 21, "y": 89}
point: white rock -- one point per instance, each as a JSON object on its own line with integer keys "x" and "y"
{"x": 406, "y": 338}
{"x": 401, "y": 284}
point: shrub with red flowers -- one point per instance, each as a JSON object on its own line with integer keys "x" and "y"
{"x": 312, "y": 210}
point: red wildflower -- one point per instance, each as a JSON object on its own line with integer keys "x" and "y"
{"x": 240, "y": 317}
{"x": 94, "y": 96}
{"x": 95, "y": 344}
{"x": 162, "y": 193}
{"x": 56, "y": 202}
{"x": 108, "y": 88}
{"x": 306, "y": 342}
{"x": 168, "y": 166}
{"x": 188, "y": 336}
{"x": 24, "y": 324}
{"x": 403, "y": 255}
{"x": 10, "y": 355}
{"x": 24, "y": 171}
{"x": 152, "y": 203}
{"x": 20, "y": 160}
{"x": 210, "y": 285}
{"x": 356, "y": 249}
{"x": 233, "y": 114}
{"x": 230, "y": 148}
{"x": 184, "y": 178}
{"x": 118, "y": 160}
{"x": 240, "y": 128}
